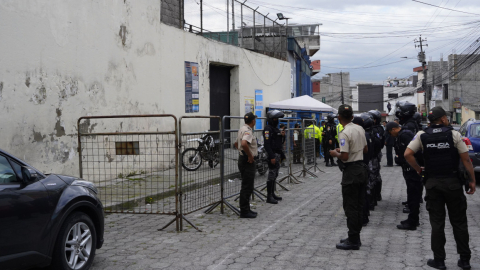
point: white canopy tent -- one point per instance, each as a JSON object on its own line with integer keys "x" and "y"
{"x": 303, "y": 103}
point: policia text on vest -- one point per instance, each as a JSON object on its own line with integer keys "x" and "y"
{"x": 443, "y": 148}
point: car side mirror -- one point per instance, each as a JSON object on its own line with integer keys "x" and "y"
{"x": 28, "y": 175}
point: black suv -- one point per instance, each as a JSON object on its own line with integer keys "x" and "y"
{"x": 46, "y": 219}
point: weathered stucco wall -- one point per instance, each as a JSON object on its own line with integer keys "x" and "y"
{"x": 60, "y": 60}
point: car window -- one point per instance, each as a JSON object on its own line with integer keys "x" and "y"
{"x": 7, "y": 174}
{"x": 475, "y": 131}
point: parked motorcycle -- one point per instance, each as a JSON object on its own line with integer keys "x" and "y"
{"x": 261, "y": 161}
{"x": 207, "y": 150}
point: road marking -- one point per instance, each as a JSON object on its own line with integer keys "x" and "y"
{"x": 264, "y": 231}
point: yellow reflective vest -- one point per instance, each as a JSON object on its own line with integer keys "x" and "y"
{"x": 339, "y": 129}
{"x": 309, "y": 132}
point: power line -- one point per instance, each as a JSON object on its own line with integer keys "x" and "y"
{"x": 446, "y": 8}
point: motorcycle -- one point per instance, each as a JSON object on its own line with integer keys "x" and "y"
{"x": 207, "y": 150}
{"x": 261, "y": 161}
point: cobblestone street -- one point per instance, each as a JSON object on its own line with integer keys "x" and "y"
{"x": 298, "y": 233}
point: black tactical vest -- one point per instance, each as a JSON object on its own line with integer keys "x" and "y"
{"x": 378, "y": 137}
{"x": 440, "y": 154}
{"x": 412, "y": 125}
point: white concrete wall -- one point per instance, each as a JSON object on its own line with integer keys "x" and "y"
{"x": 60, "y": 60}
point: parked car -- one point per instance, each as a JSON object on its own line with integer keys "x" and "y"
{"x": 46, "y": 219}
{"x": 470, "y": 131}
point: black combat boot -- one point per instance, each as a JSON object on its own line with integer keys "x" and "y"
{"x": 270, "y": 198}
{"x": 351, "y": 243}
{"x": 464, "y": 264}
{"x": 404, "y": 203}
{"x": 253, "y": 212}
{"x": 406, "y": 210}
{"x": 407, "y": 226}
{"x": 407, "y": 221}
{"x": 247, "y": 215}
{"x": 437, "y": 264}
{"x": 359, "y": 242}
{"x": 273, "y": 192}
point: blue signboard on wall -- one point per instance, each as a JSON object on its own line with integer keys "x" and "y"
{"x": 259, "y": 107}
{"x": 192, "y": 92}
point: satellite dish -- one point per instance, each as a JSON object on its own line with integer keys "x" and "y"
{"x": 389, "y": 77}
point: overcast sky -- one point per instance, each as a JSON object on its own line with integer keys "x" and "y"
{"x": 365, "y": 37}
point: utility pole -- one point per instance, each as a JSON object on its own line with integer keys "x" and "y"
{"x": 341, "y": 82}
{"x": 201, "y": 17}
{"x": 422, "y": 59}
{"x": 228, "y": 23}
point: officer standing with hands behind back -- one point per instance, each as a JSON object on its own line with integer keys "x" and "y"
{"x": 246, "y": 144}
{"x": 414, "y": 181}
{"x": 273, "y": 143}
{"x": 443, "y": 149}
{"x": 353, "y": 145}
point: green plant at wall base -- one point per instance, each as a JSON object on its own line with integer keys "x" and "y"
{"x": 120, "y": 175}
{"x": 148, "y": 200}
{"x": 131, "y": 173}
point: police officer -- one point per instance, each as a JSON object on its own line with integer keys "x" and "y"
{"x": 246, "y": 144}
{"x": 414, "y": 181}
{"x": 353, "y": 145}
{"x": 378, "y": 134}
{"x": 405, "y": 112}
{"x": 313, "y": 132}
{"x": 273, "y": 144}
{"x": 339, "y": 129}
{"x": 328, "y": 138}
{"x": 443, "y": 149}
{"x": 366, "y": 122}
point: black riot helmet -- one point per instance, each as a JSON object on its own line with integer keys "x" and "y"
{"x": 418, "y": 118}
{"x": 367, "y": 121}
{"x": 273, "y": 116}
{"x": 376, "y": 115}
{"x": 330, "y": 118}
{"x": 405, "y": 109}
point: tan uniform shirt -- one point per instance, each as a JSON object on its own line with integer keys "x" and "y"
{"x": 246, "y": 133}
{"x": 416, "y": 144}
{"x": 352, "y": 141}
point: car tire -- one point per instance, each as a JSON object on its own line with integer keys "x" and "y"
{"x": 78, "y": 234}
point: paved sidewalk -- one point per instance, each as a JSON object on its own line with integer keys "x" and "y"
{"x": 298, "y": 233}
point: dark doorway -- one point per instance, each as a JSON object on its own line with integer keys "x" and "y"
{"x": 219, "y": 94}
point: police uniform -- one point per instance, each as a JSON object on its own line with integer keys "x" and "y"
{"x": 339, "y": 129}
{"x": 354, "y": 179}
{"x": 313, "y": 132}
{"x": 378, "y": 134}
{"x": 273, "y": 144}
{"x": 330, "y": 133}
{"x": 412, "y": 179}
{"x": 247, "y": 170}
{"x": 442, "y": 147}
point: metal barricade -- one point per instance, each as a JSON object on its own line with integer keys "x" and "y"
{"x": 200, "y": 174}
{"x": 309, "y": 148}
{"x": 288, "y": 150}
{"x": 132, "y": 163}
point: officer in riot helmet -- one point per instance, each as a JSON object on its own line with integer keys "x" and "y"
{"x": 328, "y": 139}
{"x": 403, "y": 137}
{"x": 368, "y": 123}
{"x": 273, "y": 144}
{"x": 418, "y": 118}
{"x": 378, "y": 134}
{"x": 365, "y": 120}
{"x": 405, "y": 112}
{"x": 443, "y": 149}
